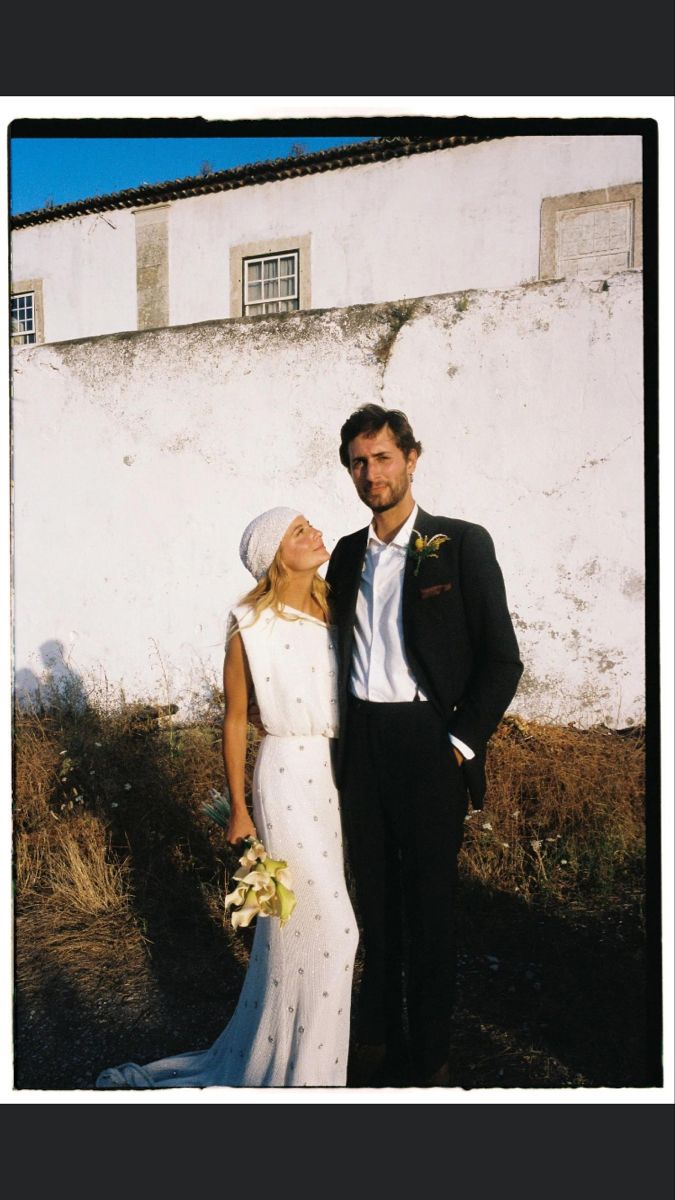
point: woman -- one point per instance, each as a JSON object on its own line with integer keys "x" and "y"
{"x": 291, "y": 1024}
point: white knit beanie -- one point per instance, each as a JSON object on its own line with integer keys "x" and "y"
{"x": 261, "y": 537}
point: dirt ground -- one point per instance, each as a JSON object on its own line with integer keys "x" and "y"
{"x": 121, "y": 952}
{"x": 548, "y": 997}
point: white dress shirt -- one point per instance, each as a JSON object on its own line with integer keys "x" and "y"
{"x": 380, "y": 671}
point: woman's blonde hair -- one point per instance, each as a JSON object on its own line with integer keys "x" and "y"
{"x": 268, "y": 592}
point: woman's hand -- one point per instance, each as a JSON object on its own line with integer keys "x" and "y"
{"x": 241, "y": 826}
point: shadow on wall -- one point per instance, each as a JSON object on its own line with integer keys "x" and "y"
{"x": 58, "y": 680}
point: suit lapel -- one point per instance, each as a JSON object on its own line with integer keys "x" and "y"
{"x": 410, "y": 580}
{"x": 352, "y": 574}
{"x": 411, "y": 583}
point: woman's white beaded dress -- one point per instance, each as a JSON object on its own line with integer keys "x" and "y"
{"x": 291, "y": 1024}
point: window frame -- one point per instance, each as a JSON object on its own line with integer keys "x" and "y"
{"x": 262, "y": 304}
{"x": 24, "y": 332}
{"x": 278, "y": 248}
{"x": 28, "y": 287}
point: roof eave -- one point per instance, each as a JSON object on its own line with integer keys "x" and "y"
{"x": 338, "y": 158}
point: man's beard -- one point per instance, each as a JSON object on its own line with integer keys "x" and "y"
{"x": 380, "y": 508}
{"x": 378, "y": 504}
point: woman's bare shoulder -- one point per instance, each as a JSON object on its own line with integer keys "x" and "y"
{"x": 238, "y": 618}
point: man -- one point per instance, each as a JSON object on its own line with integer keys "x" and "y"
{"x": 428, "y": 664}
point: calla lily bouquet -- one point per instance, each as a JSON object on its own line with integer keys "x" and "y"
{"x": 264, "y": 885}
{"x": 263, "y": 888}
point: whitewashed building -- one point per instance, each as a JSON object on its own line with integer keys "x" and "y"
{"x": 385, "y": 220}
{"x": 491, "y": 288}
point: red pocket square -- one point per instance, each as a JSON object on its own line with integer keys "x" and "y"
{"x": 435, "y": 590}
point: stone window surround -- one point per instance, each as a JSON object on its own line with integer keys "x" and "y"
{"x": 270, "y": 246}
{"x": 552, "y": 205}
{"x": 34, "y": 286}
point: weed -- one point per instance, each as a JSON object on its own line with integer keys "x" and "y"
{"x": 564, "y": 815}
{"x": 396, "y": 316}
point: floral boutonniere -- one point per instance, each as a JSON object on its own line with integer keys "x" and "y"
{"x": 424, "y": 547}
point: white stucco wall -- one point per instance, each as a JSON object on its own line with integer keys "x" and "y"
{"x": 139, "y": 458}
{"x": 429, "y": 223}
{"x": 88, "y": 269}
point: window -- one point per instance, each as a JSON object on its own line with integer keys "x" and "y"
{"x": 23, "y": 318}
{"x": 271, "y": 284}
{"x": 26, "y": 312}
{"x": 589, "y": 235}
{"x": 270, "y": 276}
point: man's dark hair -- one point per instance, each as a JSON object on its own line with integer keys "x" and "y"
{"x": 369, "y": 420}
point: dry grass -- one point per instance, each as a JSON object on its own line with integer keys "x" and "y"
{"x": 31, "y": 851}
{"x": 120, "y": 877}
{"x": 75, "y": 921}
{"x": 37, "y": 768}
{"x": 564, "y": 812}
{"x": 101, "y": 798}
{"x": 81, "y": 875}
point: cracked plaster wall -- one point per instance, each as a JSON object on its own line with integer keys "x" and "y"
{"x": 140, "y": 457}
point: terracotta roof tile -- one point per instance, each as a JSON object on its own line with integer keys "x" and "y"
{"x": 337, "y": 158}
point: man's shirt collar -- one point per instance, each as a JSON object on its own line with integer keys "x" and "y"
{"x": 403, "y": 536}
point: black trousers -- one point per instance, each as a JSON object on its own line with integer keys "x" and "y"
{"x": 404, "y": 803}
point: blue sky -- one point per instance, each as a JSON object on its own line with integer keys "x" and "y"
{"x": 66, "y": 169}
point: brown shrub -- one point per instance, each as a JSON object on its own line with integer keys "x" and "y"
{"x": 564, "y": 811}
{"x": 120, "y": 877}
{"x": 75, "y": 924}
{"x": 38, "y": 766}
{"x": 80, "y": 873}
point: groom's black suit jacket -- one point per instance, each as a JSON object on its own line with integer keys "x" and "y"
{"x": 457, "y": 631}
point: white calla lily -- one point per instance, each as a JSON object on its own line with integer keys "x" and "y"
{"x": 247, "y": 912}
{"x": 237, "y": 896}
{"x": 263, "y": 888}
{"x": 253, "y": 854}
